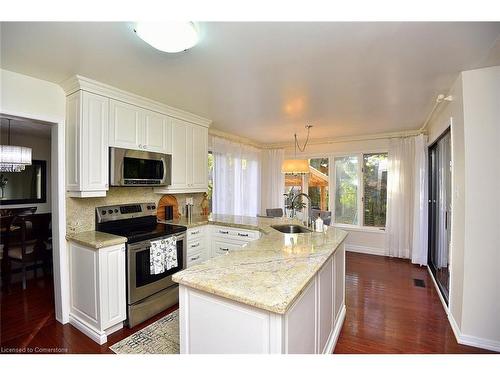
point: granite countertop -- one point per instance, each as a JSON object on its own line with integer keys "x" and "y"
{"x": 243, "y": 222}
{"x": 96, "y": 239}
{"x": 269, "y": 273}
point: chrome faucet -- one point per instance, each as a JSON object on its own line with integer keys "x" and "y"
{"x": 307, "y": 221}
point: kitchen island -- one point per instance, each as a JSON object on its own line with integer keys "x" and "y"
{"x": 282, "y": 293}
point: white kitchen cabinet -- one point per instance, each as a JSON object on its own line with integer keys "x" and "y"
{"x": 210, "y": 324}
{"x": 198, "y": 248}
{"x": 98, "y": 303}
{"x": 225, "y": 239}
{"x": 137, "y": 128}
{"x": 87, "y": 116}
{"x": 189, "y": 158}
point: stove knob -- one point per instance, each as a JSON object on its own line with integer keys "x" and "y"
{"x": 116, "y": 210}
{"x": 153, "y": 207}
{"x": 110, "y": 211}
{"x": 103, "y": 212}
{"x": 149, "y": 207}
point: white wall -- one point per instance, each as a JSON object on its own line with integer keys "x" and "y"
{"x": 451, "y": 114}
{"x": 41, "y": 150}
{"x": 481, "y": 293}
{"x": 32, "y": 98}
{"x": 474, "y": 115}
{"x": 359, "y": 240}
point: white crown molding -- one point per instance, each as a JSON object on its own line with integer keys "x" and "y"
{"x": 358, "y": 138}
{"x": 235, "y": 138}
{"x": 346, "y": 139}
{"x": 78, "y": 82}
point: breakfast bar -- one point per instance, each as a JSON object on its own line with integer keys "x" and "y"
{"x": 282, "y": 293}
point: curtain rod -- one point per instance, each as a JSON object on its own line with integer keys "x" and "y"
{"x": 440, "y": 99}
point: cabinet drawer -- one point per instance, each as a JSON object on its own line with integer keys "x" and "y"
{"x": 195, "y": 257}
{"x": 235, "y": 233}
{"x": 195, "y": 245}
{"x": 196, "y": 232}
{"x": 220, "y": 247}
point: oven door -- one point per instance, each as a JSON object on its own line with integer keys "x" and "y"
{"x": 141, "y": 283}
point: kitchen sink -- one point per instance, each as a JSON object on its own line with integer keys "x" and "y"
{"x": 291, "y": 228}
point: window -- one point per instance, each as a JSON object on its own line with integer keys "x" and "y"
{"x": 346, "y": 190}
{"x": 210, "y": 179}
{"x": 361, "y": 178}
{"x": 318, "y": 183}
{"x": 374, "y": 189}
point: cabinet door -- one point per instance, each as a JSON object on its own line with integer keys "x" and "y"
{"x": 94, "y": 133}
{"x": 179, "y": 155}
{"x": 325, "y": 304}
{"x": 125, "y": 128}
{"x": 199, "y": 157}
{"x": 112, "y": 284}
{"x": 155, "y": 132}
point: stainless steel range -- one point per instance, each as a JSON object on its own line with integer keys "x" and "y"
{"x": 147, "y": 294}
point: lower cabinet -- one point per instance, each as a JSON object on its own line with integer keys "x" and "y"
{"x": 198, "y": 245}
{"x": 98, "y": 304}
{"x": 210, "y": 324}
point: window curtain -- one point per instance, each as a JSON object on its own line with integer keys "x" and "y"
{"x": 273, "y": 180}
{"x": 406, "y": 227}
{"x": 236, "y": 178}
{"x": 420, "y": 204}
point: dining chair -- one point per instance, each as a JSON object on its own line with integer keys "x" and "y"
{"x": 25, "y": 248}
{"x": 274, "y": 212}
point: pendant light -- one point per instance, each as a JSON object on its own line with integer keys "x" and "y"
{"x": 297, "y": 166}
{"x": 14, "y": 158}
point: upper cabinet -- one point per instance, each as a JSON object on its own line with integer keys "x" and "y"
{"x": 136, "y": 128}
{"x": 87, "y": 145}
{"x": 189, "y": 158}
{"x": 99, "y": 116}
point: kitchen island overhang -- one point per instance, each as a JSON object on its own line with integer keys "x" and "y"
{"x": 281, "y": 294}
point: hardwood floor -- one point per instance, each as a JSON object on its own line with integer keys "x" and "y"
{"x": 386, "y": 313}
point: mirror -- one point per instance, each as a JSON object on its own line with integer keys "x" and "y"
{"x": 28, "y": 186}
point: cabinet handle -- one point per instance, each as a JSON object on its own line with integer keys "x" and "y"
{"x": 223, "y": 249}
{"x": 223, "y": 232}
{"x": 195, "y": 232}
{"x": 195, "y": 258}
{"x": 195, "y": 245}
{"x": 242, "y": 234}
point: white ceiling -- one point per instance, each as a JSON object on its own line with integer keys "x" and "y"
{"x": 264, "y": 81}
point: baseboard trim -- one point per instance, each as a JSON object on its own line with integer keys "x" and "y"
{"x": 98, "y": 337}
{"x": 459, "y": 336}
{"x": 365, "y": 249}
{"x": 332, "y": 340}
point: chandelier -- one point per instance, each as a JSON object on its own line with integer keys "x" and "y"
{"x": 14, "y": 158}
{"x": 297, "y": 166}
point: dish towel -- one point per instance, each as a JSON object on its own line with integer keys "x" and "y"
{"x": 162, "y": 255}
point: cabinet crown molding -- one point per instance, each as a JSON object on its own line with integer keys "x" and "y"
{"x": 79, "y": 82}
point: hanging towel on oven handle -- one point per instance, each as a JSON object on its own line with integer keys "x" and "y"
{"x": 163, "y": 255}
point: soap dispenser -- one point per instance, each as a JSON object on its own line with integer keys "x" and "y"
{"x": 318, "y": 224}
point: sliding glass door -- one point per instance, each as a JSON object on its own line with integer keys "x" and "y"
{"x": 440, "y": 211}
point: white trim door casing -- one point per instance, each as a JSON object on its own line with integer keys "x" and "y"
{"x": 58, "y": 187}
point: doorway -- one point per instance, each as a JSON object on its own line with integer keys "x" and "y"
{"x": 440, "y": 211}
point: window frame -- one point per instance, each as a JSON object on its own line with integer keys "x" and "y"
{"x": 361, "y": 188}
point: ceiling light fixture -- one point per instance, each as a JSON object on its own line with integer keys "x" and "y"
{"x": 171, "y": 37}
{"x": 14, "y": 158}
{"x": 297, "y": 166}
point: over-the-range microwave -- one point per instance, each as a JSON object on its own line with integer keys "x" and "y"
{"x": 139, "y": 168}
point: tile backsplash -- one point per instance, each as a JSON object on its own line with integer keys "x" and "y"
{"x": 80, "y": 212}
